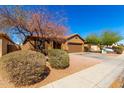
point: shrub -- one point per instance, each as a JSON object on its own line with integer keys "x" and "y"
{"x": 23, "y": 67}
{"x": 58, "y": 59}
{"x": 86, "y": 48}
{"x": 118, "y": 49}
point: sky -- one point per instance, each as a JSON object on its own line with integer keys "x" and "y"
{"x": 93, "y": 19}
{"x": 87, "y": 19}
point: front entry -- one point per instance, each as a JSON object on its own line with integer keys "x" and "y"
{"x": 56, "y": 45}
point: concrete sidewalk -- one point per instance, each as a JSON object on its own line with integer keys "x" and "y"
{"x": 99, "y": 76}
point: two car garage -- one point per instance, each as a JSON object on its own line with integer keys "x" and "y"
{"x": 75, "y": 47}
{"x": 75, "y": 44}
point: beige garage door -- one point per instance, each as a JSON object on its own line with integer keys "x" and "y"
{"x": 74, "y": 47}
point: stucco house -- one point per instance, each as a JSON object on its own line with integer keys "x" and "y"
{"x": 71, "y": 43}
{"x": 5, "y": 44}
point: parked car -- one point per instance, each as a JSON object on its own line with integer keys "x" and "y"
{"x": 107, "y": 50}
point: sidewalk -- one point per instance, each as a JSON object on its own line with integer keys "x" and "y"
{"x": 99, "y": 76}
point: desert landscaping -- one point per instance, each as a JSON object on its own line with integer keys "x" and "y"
{"x": 37, "y": 50}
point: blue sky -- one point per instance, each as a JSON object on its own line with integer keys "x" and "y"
{"x": 92, "y": 19}
{"x": 86, "y": 19}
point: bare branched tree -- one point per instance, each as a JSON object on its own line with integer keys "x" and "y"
{"x": 40, "y": 22}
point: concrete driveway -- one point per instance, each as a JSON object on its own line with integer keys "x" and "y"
{"x": 99, "y": 76}
{"x": 104, "y": 57}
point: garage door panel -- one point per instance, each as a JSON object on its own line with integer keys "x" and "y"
{"x": 74, "y": 47}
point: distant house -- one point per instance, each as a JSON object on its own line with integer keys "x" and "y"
{"x": 91, "y": 47}
{"x": 6, "y": 44}
{"x": 71, "y": 43}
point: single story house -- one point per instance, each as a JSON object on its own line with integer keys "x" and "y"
{"x": 6, "y": 44}
{"x": 71, "y": 43}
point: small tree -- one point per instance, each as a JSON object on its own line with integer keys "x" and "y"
{"x": 93, "y": 39}
{"x": 109, "y": 38}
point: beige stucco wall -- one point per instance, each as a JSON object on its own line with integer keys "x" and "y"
{"x": 64, "y": 46}
{"x": 75, "y": 39}
{"x": 28, "y": 46}
{"x": 0, "y": 47}
{"x": 83, "y": 48}
{"x": 3, "y": 46}
{"x": 94, "y": 48}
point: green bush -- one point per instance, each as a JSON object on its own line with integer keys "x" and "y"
{"x": 23, "y": 67}
{"x": 118, "y": 49}
{"x": 58, "y": 59}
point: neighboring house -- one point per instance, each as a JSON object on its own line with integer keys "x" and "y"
{"x": 72, "y": 43}
{"x": 6, "y": 44}
{"x": 92, "y": 48}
